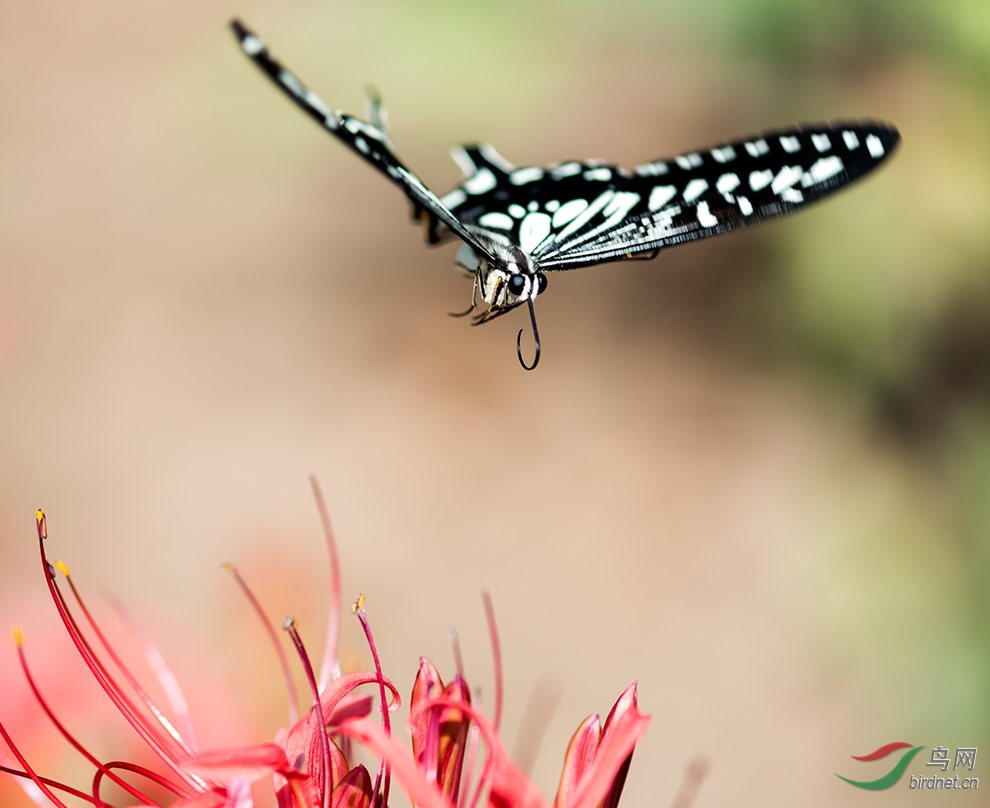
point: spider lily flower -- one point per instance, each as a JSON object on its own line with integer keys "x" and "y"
{"x": 307, "y": 760}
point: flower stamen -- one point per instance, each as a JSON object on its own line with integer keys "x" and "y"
{"x": 330, "y": 669}
{"x": 63, "y": 731}
{"x": 384, "y": 775}
{"x": 290, "y": 627}
{"x": 270, "y": 630}
{"x": 496, "y": 657}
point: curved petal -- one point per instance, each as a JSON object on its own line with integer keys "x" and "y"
{"x": 422, "y": 792}
{"x": 206, "y": 799}
{"x": 248, "y": 763}
{"x": 354, "y": 790}
{"x": 623, "y": 729}
{"x": 578, "y": 759}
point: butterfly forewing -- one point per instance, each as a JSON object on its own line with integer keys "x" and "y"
{"x": 577, "y": 214}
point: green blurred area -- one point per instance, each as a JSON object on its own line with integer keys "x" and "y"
{"x": 886, "y": 297}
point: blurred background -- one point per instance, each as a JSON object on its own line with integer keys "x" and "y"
{"x": 752, "y": 475}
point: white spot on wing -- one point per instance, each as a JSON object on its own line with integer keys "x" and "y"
{"x": 724, "y": 154}
{"x": 792, "y": 195}
{"x": 517, "y": 211}
{"x": 252, "y": 46}
{"x": 463, "y": 160}
{"x": 585, "y": 216}
{"x": 496, "y": 159}
{"x": 822, "y": 142}
{"x": 822, "y": 169}
{"x": 694, "y": 189}
{"x": 874, "y": 146}
{"x": 757, "y": 147}
{"x": 785, "y": 178}
{"x": 497, "y": 220}
{"x": 566, "y": 170}
{"x": 454, "y": 198}
{"x": 552, "y": 205}
{"x": 760, "y": 179}
{"x": 292, "y": 84}
{"x": 652, "y": 169}
{"x": 523, "y": 175}
{"x": 689, "y": 161}
{"x": 533, "y": 231}
{"x": 600, "y": 174}
{"x": 851, "y": 140}
{"x": 483, "y": 181}
{"x": 362, "y": 144}
{"x": 745, "y": 207}
{"x": 660, "y": 196}
{"x": 705, "y": 218}
{"x": 790, "y": 144}
{"x": 568, "y": 211}
{"x": 726, "y": 184}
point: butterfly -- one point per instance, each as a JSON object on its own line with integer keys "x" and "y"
{"x": 518, "y": 224}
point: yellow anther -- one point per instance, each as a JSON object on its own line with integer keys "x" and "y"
{"x": 62, "y": 568}
{"x": 18, "y": 635}
{"x": 42, "y": 523}
{"x": 358, "y": 604}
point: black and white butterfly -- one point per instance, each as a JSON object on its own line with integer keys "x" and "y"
{"x": 517, "y": 224}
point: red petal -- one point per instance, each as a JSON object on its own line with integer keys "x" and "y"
{"x": 628, "y": 700}
{"x": 209, "y": 799}
{"x": 578, "y": 759}
{"x": 242, "y": 762}
{"x": 454, "y": 725}
{"x": 354, "y": 790}
{"x": 624, "y": 728}
{"x": 428, "y": 685}
{"x": 370, "y": 734}
{"x": 352, "y": 706}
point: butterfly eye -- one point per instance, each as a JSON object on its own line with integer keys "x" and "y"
{"x": 541, "y": 284}
{"x": 517, "y": 284}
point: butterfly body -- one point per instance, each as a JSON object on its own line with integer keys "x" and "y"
{"x": 519, "y": 223}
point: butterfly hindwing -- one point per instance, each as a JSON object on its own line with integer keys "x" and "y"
{"x": 577, "y": 214}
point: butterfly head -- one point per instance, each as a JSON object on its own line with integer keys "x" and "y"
{"x": 506, "y": 279}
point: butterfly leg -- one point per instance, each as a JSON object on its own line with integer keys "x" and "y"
{"x": 474, "y": 297}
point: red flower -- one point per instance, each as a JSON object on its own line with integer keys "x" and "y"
{"x": 307, "y": 760}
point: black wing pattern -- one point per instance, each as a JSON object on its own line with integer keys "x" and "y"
{"x": 577, "y": 214}
{"x": 369, "y": 141}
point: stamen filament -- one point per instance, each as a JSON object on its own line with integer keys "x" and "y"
{"x": 384, "y": 770}
{"x": 125, "y": 671}
{"x": 75, "y": 792}
{"x": 496, "y": 658}
{"x": 96, "y": 668}
{"x": 330, "y": 668}
{"x": 455, "y": 646}
{"x": 474, "y": 735}
{"x": 82, "y": 750}
{"x": 270, "y": 630}
{"x": 290, "y": 627}
{"x": 38, "y": 781}
{"x": 166, "y": 679}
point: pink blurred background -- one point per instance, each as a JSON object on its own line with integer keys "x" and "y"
{"x": 751, "y": 474}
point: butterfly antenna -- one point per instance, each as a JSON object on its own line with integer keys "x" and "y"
{"x": 536, "y": 339}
